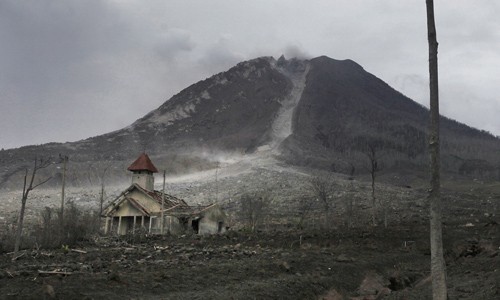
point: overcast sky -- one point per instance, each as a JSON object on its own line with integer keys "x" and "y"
{"x": 75, "y": 69}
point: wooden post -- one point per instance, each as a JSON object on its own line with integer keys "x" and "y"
{"x": 142, "y": 222}
{"x": 150, "y": 219}
{"x": 119, "y": 224}
{"x": 133, "y": 227}
{"x": 111, "y": 224}
{"x": 65, "y": 160}
{"x": 162, "y": 203}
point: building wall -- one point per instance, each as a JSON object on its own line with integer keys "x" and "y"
{"x": 148, "y": 203}
{"x": 126, "y": 224}
{"x": 144, "y": 179}
{"x": 172, "y": 225}
{"x": 211, "y": 227}
{"x": 126, "y": 209}
{"x": 212, "y": 222}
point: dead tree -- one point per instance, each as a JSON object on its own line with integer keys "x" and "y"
{"x": 350, "y": 204}
{"x": 28, "y": 186}
{"x": 101, "y": 197}
{"x": 64, "y": 160}
{"x": 305, "y": 207}
{"x": 254, "y": 208}
{"x": 323, "y": 189}
{"x": 438, "y": 268}
{"x": 372, "y": 152}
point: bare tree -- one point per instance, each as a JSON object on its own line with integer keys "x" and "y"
{"x": 254, "y": 208}
{"x": 64, "y": 160}
{"x": 322, "y": 189}
{"x": 350, "y": 203}
{"x": 90, "y": 174}
{"x": 372, "y": 152}
{"x": 28, "y": 186}
{"x": 305, "y": 207}
{"x": 438, "y": 268}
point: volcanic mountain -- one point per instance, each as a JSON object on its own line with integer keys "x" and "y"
{"x": 318, "y": 113}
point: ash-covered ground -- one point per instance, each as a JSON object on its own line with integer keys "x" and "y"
{"x": 323, "y": 259}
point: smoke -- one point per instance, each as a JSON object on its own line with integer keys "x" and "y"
{"x": 296, "y": 51}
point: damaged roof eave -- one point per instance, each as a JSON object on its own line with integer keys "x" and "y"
{"x": 192, "y": 211}
{"x": 133, "y": 202}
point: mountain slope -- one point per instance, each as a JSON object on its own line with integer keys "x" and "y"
{"x": 319, "y": 113}
{"x": 344, "y": 109}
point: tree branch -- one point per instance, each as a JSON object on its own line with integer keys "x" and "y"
{"x": 42, "y": 182}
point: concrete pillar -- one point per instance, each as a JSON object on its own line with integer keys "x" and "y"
{"x": 119, "y": 224}
{"x": 106, "y": 225}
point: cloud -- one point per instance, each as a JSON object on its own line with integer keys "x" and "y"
{"x": 296, "y": 51}
{"x": 220, "y": 56}
{"x": 414, "y": 86}
{"x": 74, "y": 69}
{"x": 96, "y": 66}
{"x": 172, "y": 42}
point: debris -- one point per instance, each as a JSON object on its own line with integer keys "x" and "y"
{"x": 16, "y": 257}
{"x": 55, "y": 272}
{"x": 79, "y": 251}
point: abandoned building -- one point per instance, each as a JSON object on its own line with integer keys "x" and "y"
{"x": 140, "y": 207}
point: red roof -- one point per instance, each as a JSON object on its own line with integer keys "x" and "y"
{"x": 143, "y": 163}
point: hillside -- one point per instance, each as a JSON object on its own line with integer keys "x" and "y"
{"x": 319, "y": 113}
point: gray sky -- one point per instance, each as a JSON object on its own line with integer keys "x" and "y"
{"x": 75, "y": 69}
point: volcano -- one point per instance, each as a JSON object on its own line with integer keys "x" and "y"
{"x": 318, "y": 113}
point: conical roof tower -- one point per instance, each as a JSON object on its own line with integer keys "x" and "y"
{"x": 142, "y": 172}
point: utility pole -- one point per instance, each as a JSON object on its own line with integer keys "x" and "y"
{"x": 216, "y": 182}
{"x": 163, "y": 202}
{"x": 438, "y": 265}
{"x": 65, "y": 161}
{"x": 101, "y": 200}
{"x": 102, "y": 190}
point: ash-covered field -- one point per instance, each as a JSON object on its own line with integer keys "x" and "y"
{"x": 299, "y": 251}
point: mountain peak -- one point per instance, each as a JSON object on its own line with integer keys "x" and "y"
{"x": 319, "y": 112}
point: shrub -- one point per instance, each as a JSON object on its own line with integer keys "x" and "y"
{"x": 77, "y": 225}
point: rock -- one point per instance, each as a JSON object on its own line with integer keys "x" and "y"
{"x": 373, "y": 284}
{"x": 48, "y": 291}
{"x": 285, "y": 266}
{"x": 332, "y": 295}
